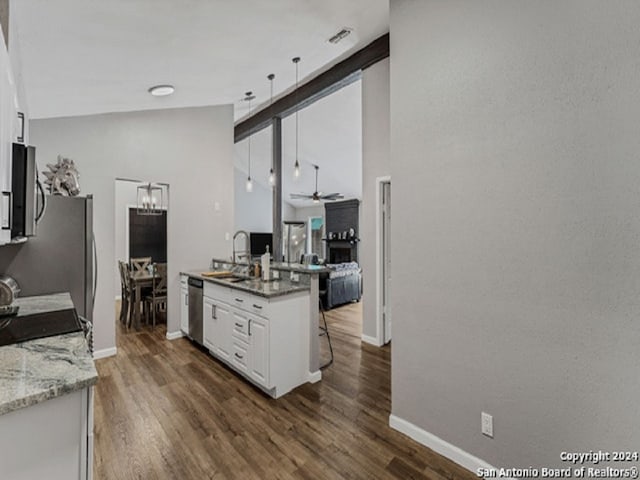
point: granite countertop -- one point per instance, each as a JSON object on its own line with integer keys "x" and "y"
{"x": 290, "y": 267}
{"x": 38, "y": 370}
{"x": 299, "y": 268}
{"x": 270, "y": 289}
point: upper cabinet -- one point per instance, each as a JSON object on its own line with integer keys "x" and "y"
{"x": 9, "y": 125}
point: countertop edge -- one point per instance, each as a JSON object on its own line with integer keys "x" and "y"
{"x": 289, "y": 267}
{"x": 244, "y": 288}
{"x": 54, "y": 392}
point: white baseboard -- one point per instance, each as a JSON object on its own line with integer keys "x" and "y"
{"x": 104, "y": 353}
{"x": 174, "y": 335}
{"x": 438, "y": 445}
{"x": 314, "y": 377}
{"x": 371, "y": 340}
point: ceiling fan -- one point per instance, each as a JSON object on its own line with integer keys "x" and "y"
{"x": 317, "y": 196}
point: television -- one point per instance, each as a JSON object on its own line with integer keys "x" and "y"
{"x": 258, "y": 243}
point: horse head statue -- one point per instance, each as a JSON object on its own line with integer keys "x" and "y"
{"x": 63, "y": 178}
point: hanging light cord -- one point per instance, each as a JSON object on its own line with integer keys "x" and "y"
{"x": 249, "y": 139}
{"x": 296, "y": 60}
{"x": 271, "y": 76}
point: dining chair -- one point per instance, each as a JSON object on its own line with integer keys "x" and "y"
{"x": 158, "y": 297}
{"x": 140, "y": 264}
{"x": 128, "y": 294}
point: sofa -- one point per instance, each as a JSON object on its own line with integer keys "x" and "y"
{"x": 342, "y": 285}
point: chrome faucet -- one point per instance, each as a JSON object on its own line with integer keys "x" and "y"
{"x": 246, "y": 253}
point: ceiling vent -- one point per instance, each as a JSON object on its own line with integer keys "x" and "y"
{"x": 345, "y": 32}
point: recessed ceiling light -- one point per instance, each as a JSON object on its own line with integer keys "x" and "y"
{"x": 161, "y": 90}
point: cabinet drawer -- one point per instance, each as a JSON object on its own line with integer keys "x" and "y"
{"x": 250, "y": 303}
{"x": 240, "y": 327}
{"x": 217, "y": 292}
{"x": 240, "y": 356}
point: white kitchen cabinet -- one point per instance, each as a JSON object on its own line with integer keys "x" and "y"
{"x": 266, "y": 340}
{"x": 250, "y": 337}
{"x": 8, "y": 124}
{"x": 217, "y": 322}
{"x": 52, "y": 439}
{"x": 184, "y": 305}
{"x": 208, "y": 322}
{"x": 259, "y": 350}
{"x": 222, "y": 329}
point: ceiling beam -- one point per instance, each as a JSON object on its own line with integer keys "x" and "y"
{"x": 4, "y": 20}
{"x": 338, "y": 76}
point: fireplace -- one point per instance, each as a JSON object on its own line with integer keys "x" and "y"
{"x": 342, "y": 222}
{"x": 340, "y": 254}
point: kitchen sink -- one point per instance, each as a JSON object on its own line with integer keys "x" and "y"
{"x": 252, "y": 282}
{"x": 235, "y": 278}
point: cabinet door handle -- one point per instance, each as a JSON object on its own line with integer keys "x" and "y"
{"x": 7, "y": 210}
{"x": 186, "y": 300}
{"x": 214, "y": 312}
{"x": 249, "y": 327}
{"x": 239, "y": 356}
{"x": 259, "y": 307}
{"x": 239, "y": 300}
{"x": 239, "y": 325}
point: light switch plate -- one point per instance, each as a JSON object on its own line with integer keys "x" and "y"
{"x": 487, "y": 424}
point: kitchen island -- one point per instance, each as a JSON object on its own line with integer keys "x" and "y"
{"x": 265, "y": 330}
{"x": 46, "y": 401}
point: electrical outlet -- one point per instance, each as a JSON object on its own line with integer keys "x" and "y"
{"x": 294, "y": 277}
{"x": 487, "y": 424}
{"x": 275, "y": 274}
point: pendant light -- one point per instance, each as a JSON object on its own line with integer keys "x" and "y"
{"x": 249, "y": 186}
{"x": 272, "y": 176}
{"x": 149, "y": 200}
{"x": 296, "y": 166}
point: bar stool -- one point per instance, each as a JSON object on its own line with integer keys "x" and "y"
{"x": 325, "y": 330}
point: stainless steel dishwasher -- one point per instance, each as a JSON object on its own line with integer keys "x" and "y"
{"x": 195, "y": 310}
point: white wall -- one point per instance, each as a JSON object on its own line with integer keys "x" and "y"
{"x": 302, "y": 214}
{"x": 514, "y": 147}
{"x": 375, "y": 164}
{"x": 253, "y": 211}
{"x": 190, "y": 149}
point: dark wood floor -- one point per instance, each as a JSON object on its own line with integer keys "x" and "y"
{"x": 167, "y": 410}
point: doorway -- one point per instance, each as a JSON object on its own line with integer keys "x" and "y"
{"x": 383, "y": 263}
{"x": 140, "y": 228}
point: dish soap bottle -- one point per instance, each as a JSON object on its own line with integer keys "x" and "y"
{"x": 265, "y": 260}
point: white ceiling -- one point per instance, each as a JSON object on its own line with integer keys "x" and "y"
{"x": 94, "y": 56}
{"x": 330, "y": 136}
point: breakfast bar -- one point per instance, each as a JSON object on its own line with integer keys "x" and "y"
{"x": 266, "y": 330}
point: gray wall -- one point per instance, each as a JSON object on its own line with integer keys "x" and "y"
{"x": 190, "y": 149}
{"x": 375, "y": 164}
{"x": 516, "y": 180}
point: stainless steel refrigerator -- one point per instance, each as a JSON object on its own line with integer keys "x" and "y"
{"x": 61, "y": 258}
{"x": 294, "y": 241}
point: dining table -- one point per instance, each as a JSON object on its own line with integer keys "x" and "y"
{"x": 139, "y": 280}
